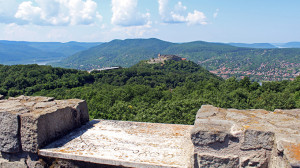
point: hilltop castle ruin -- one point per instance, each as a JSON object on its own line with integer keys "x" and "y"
{"x": 162, "y": 58}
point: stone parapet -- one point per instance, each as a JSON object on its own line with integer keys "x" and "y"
{"x": 29, "y": 123}
{"x": 40, "y": 132}
{"x": 246, "y": 138}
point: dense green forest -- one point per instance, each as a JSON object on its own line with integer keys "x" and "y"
{"x": 166, "y": 93}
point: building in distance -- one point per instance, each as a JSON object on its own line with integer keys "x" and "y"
{"x": 163, "y": 58}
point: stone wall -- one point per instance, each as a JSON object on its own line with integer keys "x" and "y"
{"x": 246, "y": 138}
{"x": 40, "y": 132}
{"x": 29, "y": 123}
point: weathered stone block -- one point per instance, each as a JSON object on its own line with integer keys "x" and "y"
{"x": 207, "y": 132}
{"x": 124, "y": 143}
{"x": 31, "y": 122}
{"x": 7, "y": 164}
{"x": 9, "y": 132}
{"x": 41, "y": 127}
{"x": 257, "y": 139}
{"x": 83, "y": 112}
{"x": 12, "y": 160}
{"x": 206, "y": 138}
{"x": 258, "y": 159}
{"x": 211, "y": 161}
{"x": 292, "y": 153}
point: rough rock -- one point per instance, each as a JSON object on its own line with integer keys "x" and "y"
{"x": 9, "y": 132}
{"x": 32, "y": 122}
{"x": 1, "y": 97}
{"x": 207, "y": 132}
{"x": 8, "y": 160}
{"x": 7, "y": 164}
{"x": 49, "y": 121}
{"x": 259, "y": 159}
{"x": 213, "y": 161}
{"x": 259, "y": 138}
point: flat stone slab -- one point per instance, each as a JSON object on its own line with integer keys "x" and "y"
{"x": 128, "y": 144}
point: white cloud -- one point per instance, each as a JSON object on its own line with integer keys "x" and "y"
{"x": 8, "y": 9}
{"x": 179, "y": 14}
{"x": 125, "y": 14}
{"x": 59, "y": 12}
{"x": 28, "y": 12}
{"x": 162, "y": 7}
{"x": 215, "y": 15}
{"x": 196, "y": 18}
{"x": 179, "y": 8}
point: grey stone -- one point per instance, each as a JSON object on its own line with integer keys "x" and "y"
{"x": 252, "y": 135}
{"x": 44, "y": 104}
{"x": 124, "y": 143}
{"x": 40, "y": 129}
{"x": 32, "y": 122}
{"x": 207, "y": 132}
{"x": 83, "y": 111}
{"x": 9, "y": 132}
{"x": 12, "y": 161}
{"x": 254, "y": 139}
{"x": 35, "y": 162}
{"x": 19, "y": 164}
{"x": 257, "y": 160}
{"x": 206, "y": 111}
{"x": 212, "y": 161}
{"x": 206, "y": 137}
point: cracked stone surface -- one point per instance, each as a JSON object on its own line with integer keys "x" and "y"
{"x": 129, "y": 144}
{"x": 259, "y": 138}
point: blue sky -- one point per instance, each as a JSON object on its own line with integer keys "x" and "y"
{"x": 247, "y": 21}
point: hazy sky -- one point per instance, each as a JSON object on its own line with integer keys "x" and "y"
{"x": 245, "y": 21}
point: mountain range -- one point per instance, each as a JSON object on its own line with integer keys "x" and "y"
{"x": 267, "y": 45}
{"x": 260, "y": 61}
{"x": 23, "y": 52}
{"x": 222, "y": 59}
{"x": 128, "y": 52}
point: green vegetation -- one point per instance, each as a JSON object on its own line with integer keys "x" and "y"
{"x": 169, "y": 93}
{"x": 260, "y": 64}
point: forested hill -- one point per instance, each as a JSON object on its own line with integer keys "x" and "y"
{"x": 171, "y": 93}
{"x": 224, "y": 59}
{"x": 123, "y": 53}
{"x": 128, "y": 52}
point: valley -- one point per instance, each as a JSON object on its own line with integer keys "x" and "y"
{"x": 259, "y": 61}
{"x": 224, "y": 60}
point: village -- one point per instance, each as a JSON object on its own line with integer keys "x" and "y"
{"x": 266, "y": 72}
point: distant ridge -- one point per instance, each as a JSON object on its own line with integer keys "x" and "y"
{"x": 23, "y": 52}
{"x": 130, "y": 51}
{"x": 288, "y": 45}
{"x": 254, "y": 45}
{"x": 222, "y": 59}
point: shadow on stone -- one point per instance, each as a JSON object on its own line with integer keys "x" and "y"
{"x": 73, "y": 135}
